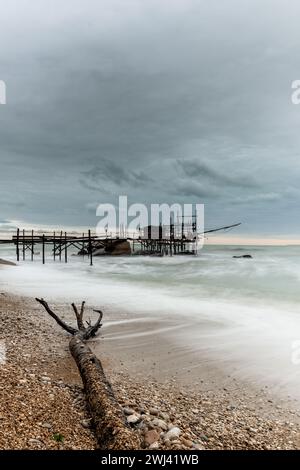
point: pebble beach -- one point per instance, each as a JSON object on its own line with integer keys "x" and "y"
{"x": 42, "y": 404}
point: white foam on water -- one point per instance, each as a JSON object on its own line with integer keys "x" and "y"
{"x": 243, "y": 313}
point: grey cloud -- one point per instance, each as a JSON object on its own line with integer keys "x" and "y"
{"x": 255, "y": 198}
{"x": 163, "y": 100}
{"x": 110, "y": 174}
{"x": 224, "y": 177}
{"x": 195, "y": 189}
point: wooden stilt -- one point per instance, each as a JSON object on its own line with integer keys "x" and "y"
{"x": 90, "y": 249}
{"x": 60, "y": 245}
{"x": 18, "y": 247}
{"x": 32, "y": 245}
{"x": 43, "y": 249}
{"x": 23, "y": 245}
{"x": 54, "y": 246}
{"x": 66, "y": 248}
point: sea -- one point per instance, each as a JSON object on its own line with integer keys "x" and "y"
{"x": 243, "y": 313}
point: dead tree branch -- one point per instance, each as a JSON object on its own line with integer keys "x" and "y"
{"x": 110, "y": 427}
{"x": 82, "y": 332}
{"x": 61, "y": 323}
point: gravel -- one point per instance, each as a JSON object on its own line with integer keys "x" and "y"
{"x": 42, "y": 403}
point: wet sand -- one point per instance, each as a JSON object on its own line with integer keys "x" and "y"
{"x": 158, "y": 350}
{"x": 149, "y": 369}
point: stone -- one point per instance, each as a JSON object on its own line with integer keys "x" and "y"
{"x": 172, "y": 434}
{"x": 35, "y": 442}
{"x": 231, "y": 407}
{"x": 186, "y": 442}
{"x": 151, "y": 437}
{"x": 154, "y": 446}
{"x": 128, "y": 411}
{"x": 198, "y": 447}
{"x": 133, "y": 419}
{"x": 160, "y": 424}
{"x": 153, "y": 411}
{"x": 46, "y": 425}
{"x": 44, "y": 378}
{"x": 164, "y": 416}
{"x": 7, "y": 263}
{"x": 86, "y": 423}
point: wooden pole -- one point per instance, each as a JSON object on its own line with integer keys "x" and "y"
{"x": 18, "y": 248}
{"x": 90, "y": 249}
{"x": 43, "y": 248}
{"x": 60, "y": 245}
{"x": 83, "y": 245}
{"x": 66, "y": 248}
{"x": 23, "y": 245}
{"x": 171, "y": 235}
{"x": 54, "y": 246}
{"x": 32, "y": 245}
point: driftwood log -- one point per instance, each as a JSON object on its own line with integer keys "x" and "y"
{"x": 110, "y": 427}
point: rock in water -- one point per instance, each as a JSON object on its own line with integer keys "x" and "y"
{"x": 242, "y": 256}
{"x": 121, "y": 248}
{"x": 7, "y": 263}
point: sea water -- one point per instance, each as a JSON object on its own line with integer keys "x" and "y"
{"x": 243, "y": 313}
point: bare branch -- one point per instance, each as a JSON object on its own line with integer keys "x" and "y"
{"x": 80, "y": 324}
{"x": 60, "y": 322}
{"x": 82, "y": 310}
{"x": 82, "y": 332}
{"x": 92, "y": 329}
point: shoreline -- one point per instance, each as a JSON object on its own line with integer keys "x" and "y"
{"x": 217, "y": 412}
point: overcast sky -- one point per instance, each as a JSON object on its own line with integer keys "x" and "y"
{"x": 162, "y": 100}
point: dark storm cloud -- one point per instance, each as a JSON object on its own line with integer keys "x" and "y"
{"x": 163, "y": 101}
{"x": 199, "y": 169}
{"x": 112, "y": 173}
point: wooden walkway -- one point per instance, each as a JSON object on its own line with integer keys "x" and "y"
{"x": 88, "y": 244}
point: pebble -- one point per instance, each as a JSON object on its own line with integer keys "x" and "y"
{"x": 172, "y": 434}
{"x": 186, "y": 442}
{"x": 153, "y": 411}
{"x": 164, "y": 416}
{"x": 35, "y": 441}
{"x": 46, "y": 425}
{"x": 151, "y": 437}
{"x": 133, "y": 419}
{"x": 198, "y": 447}
{"x": 86, "y": 423}
{"x": 154, "y": 446}
{"x": 128, "y": 411}
{"x": 160, "y": 424}
{"x": 44, "y": 378}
